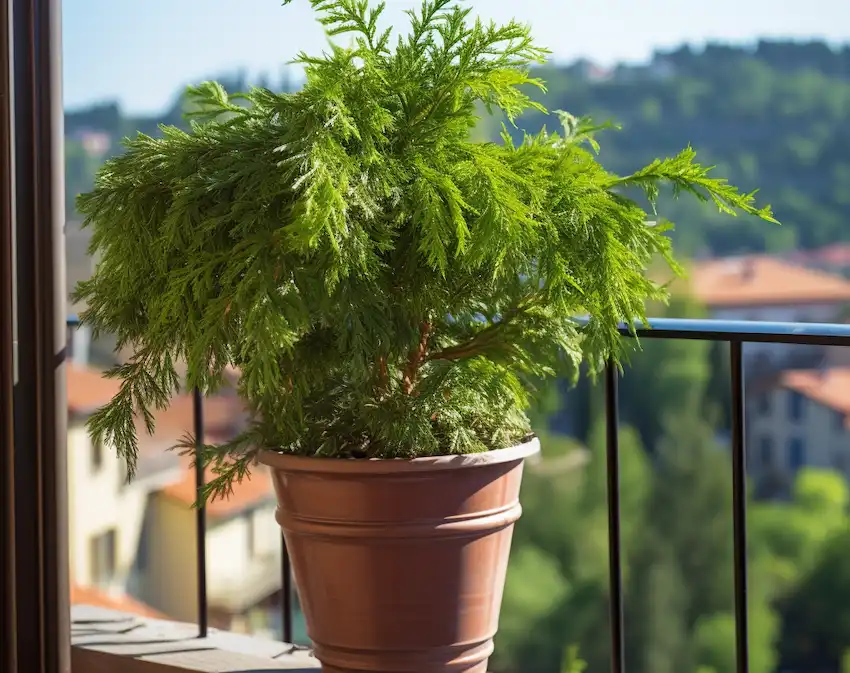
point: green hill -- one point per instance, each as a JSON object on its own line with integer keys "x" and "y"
{"x": 773, "y": 116}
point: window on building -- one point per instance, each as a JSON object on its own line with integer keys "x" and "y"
{"x": 839, "y": 421}
{"x": 796, "y": 406}
{"x": 96, "y": 455}
{"x": 766, "y": 451}
{"x": 763, "y": 404}
{"x": 102, "y": 558}
{"x": 796, "y": 454}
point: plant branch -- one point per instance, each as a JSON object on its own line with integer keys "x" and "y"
{"x": 416, "y": 358}
{"x": 383, "y": 376}
{"x": 475, "y": 346}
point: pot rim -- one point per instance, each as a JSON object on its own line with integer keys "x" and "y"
{"x": 291, "y": 463}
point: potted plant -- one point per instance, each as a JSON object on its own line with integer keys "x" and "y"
{"x": 390, "y": 291}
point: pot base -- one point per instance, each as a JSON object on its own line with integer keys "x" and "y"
{"x": 457, "y": 659}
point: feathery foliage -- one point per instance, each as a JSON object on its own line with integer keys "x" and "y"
{"x": 388, "y": 288}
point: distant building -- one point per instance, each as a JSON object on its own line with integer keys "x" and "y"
{"x": 137, "y": 541}
{"x": 832, "y": 259}
{"x": 243, "y": 555}
{"x": 763, "y": 288}
{"x": 799, "y": 419}
{"x": 589, "y": 71}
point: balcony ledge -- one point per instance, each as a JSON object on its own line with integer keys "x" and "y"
{"x": 105, "y": 641}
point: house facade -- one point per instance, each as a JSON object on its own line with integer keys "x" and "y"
{"x": 243, "y": 555}
{"x": 800, "y": 418}
{"x": 137, "y": 540}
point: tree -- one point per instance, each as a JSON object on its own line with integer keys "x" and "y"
{"x": 692, "y": 509}
{"x": 635, "y": 483}
{"x": 715, "y": 645}
{"x": 793, "y": 534}
{"x": 657, "y": 600}
{"x": 666, "y": 376}
{"x": 816, "y": 629}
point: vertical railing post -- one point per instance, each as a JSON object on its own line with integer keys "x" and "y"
{"x": 739, "y": 506}
{"x": 615, "y": 560}
{"x": 200, "y": 515}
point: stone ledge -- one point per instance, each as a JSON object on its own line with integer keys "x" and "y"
{"x": 105, "y": 641}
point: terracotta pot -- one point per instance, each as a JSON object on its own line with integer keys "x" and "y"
{"x": 400, "y": 564}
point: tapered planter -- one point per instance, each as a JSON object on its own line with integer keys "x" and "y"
{"x": 400, "y": 564}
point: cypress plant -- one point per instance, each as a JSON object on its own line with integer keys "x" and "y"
{"x": 387, "y": 287}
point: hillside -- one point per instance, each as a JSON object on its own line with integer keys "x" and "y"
{"x": 772, "y": 116}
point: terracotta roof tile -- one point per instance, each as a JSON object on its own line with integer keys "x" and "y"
{"x": 223, "y": 416}
{"x": 87, "y": 388}
{"x": 829, "y": 387}
{"x": 99, "y": 599}
{"x": 760, "y": 281}
{"x": 251, "y": 492}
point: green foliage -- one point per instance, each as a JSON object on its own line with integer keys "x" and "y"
{"x": 656, "y": 607}
{"x": 768, "y": 121}
{"x": 668, "y": 377}
{"x": 794, "y": 534}
{"x": 534, "y": 590}
{"x": 387, "y": 287}
{"x": 692, "y": 508}
{"x": 817, "y": 625}
{"x": 572, "y": 662}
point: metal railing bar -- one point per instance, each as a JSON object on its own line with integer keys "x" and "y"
{"x": 739, "y": 506}
{"x": 745, "y": 331}
{"x": 200, "y": 515}
{"x": 286, "y": 592}
{"x": 615, "y": 562}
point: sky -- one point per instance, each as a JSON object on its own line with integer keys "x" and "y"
{"x": 140, "y": 53}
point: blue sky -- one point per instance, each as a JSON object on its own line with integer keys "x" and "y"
{"x": 140, "y": 53}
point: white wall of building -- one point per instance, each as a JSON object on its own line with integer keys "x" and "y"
{"x": 99, "y": 502}
{"x": 820, "y": 431}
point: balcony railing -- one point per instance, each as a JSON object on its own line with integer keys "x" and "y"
{"x": 733, "y": 333}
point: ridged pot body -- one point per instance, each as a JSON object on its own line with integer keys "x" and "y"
{"x": 400, "y": 564}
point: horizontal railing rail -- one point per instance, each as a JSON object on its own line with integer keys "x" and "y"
{"x": 736, "y": 333}
{"x": 744, "y": 331}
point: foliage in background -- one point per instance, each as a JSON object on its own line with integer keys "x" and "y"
{"x": 387, "y": 287}
{"x": 771, "y": 117}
